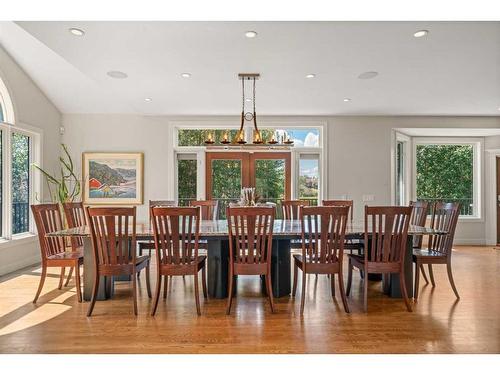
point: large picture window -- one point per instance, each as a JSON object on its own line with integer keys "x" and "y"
{"x": 448, "y": 172}
{"x": 20, "y": 168}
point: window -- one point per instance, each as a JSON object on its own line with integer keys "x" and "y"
{"x": 187, "y": 178}
{"x": 20, "y": 168}
{"x": 19, "y": 147}
{"x": 401, "y": 170}
{"x": 308, "y": 181}
{"x": 302, "y": 137}
{"x": 449, "y": 172}
{"x": 197, "y": 137}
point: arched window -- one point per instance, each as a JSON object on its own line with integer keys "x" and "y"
{"x": 6, "y": 107}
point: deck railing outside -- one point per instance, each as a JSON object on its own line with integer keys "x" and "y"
{"x": 20, "y": 217}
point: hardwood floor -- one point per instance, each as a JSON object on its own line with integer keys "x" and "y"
{"x": 439, "y": 323}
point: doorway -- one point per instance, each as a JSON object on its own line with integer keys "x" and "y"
{"x": 227, "y": 172}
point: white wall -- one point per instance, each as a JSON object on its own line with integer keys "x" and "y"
{"x": 32, "y": 108}
{"x": 358, "y": 151}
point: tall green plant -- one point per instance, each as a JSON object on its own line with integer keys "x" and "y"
{"x": 67, "y": 187}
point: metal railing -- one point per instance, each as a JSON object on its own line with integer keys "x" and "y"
{"x": 20, "y": 217}
{"x": 466, "y": 204}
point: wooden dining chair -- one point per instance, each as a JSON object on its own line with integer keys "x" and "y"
{"x": 75, "y": 217}
{"x": 250, "y": 244}
{"x": 439, "y": 249}
{"x": 149, "y": 245}
{"x": 209, "y": 208}
{"x": 291, "y": 208}
{"x": 176, "y": 233}
{"x": 387, "y": 230}
{"x": 418, "y": 218}
{"x": 323, "y": 240}
{"x": 349, "y": 244}
{"x": 53, "y": 249}
{"x": 113, "y": 234}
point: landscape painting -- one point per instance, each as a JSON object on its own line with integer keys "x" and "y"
{"x": 112, "y": 178}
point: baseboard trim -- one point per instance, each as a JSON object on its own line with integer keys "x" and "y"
{"x": 15, "y": 266}
{"x": 470, "y": 241}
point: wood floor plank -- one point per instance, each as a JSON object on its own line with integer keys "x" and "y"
{"x": 439, "y": 323}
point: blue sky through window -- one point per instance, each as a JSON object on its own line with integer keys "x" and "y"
{"x": 308, "y": 168}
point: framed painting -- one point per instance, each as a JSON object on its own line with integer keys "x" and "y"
{"x": 112, "y": 178}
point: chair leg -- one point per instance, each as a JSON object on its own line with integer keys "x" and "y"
{"x": 148, "y": 281}
{"x": 349, "y": 277}
{"x": 418, "y": 268}
{"x": 450, "y": 277}
{"x": 165, "y": 286}
{"x": 230, "y": 293}
{"x": 70, "y": 274}
{"x": 269, "y": 291}
{"x": 61, "y": 278}
{"x": 204, "y": 281}
{"x": 134, "y": 291}
{"x": 365, "y": 292}
{"x": 404, "y": 291}
{"x": 295, "y": 276}
{"x": 422, "y": 271}
{"x": 342, "y": 291}
{"x": 95, "y": 288}
{"x": 332, "y": 284}
{"x": 40, "y": 285}
{"x": 303, "y": 296}
{"x": 78, "y": 282}
{"x": 431, "y": 275}
{"x": 197, "y": 293}
{"x": 157, "y": 294}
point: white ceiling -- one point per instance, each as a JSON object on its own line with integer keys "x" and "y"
{"x": 455, "y": 70}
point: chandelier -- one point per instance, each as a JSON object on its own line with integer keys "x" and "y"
{"x": 249, "y": 116}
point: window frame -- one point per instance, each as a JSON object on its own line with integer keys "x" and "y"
{"x": 35, "y": 136}
{"x": 477, "y": 169}
{"x": 263, "y": 124}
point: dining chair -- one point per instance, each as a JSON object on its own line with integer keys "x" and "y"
{"x": 209, "y": 208}
{"x": 350, "y": 244}
{"x": 291, "y": 208}
{"x": 113, "y": 234}
{"x": 418, "y": 218}
{"x": 323, "y": 241}
{"x": 53, "y": 249}
{"x": 75, "y": 217}
{"x": 250, "y": 244}
{"x": 386, "y": 232}
{"x": 440, "y": 247}
{"x": 149, "y": 245}
{"x": 176, "y": 233}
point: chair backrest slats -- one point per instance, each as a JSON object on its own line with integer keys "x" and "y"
{"x": 113, "y": 234}
{"x": 291, "y": 208}
{"x": 176, "y": 233}
{"x": 340, "y": 203}
{"x": 48, "y": 219}
{"x": 209, "y": 208}
{"x": 444, "y": 217}
{"x": 387, "y": 229}
{"x": 418, "y": 218}
{"x": 250, "y": 234}
{"x": 323, "y": 233}
{"x": 75, "y": 216}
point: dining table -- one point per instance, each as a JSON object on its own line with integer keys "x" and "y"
{"x": 215, "y": 233}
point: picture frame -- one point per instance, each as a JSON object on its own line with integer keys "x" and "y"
{"x": 113, "y": 178}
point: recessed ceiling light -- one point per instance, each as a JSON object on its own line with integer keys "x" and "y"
{"x": 251, "y": 34}
{"x": 421, "y": 33}
{"x": 186, "y": 75}
{"x": 347, "y": 99}
{"x": 76, "y": 32}
{"x": 368, "y": 75}
{"x": 148, "y": 99}
{"x": 310, "y": 75}
{"x": 117, "y": 74}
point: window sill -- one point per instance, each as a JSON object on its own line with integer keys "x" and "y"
{"x": 470, "y": 219}
{"x": 21, "y": 239}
